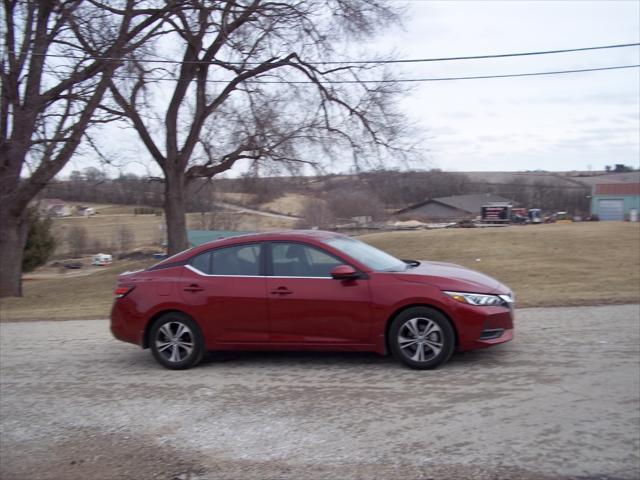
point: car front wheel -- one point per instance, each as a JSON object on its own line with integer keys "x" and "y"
{"x": 422, "y": 338}
{"x": 176, "y": 342}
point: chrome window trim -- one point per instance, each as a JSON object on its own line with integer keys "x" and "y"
{"x": 195, "y": 270}
{"x": 284, "y": 276}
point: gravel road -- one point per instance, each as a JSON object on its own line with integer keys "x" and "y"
{"x": 560, "y": 401}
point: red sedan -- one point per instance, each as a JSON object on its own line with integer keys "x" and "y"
{"x": 308, "y": 290}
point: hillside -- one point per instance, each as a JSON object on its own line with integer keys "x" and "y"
{"x": 148, "y": 230}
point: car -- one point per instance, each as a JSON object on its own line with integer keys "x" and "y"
{"x": 102, "y": 259}
{"x": 308, "y": 291}
{"x": 72, "y": 265}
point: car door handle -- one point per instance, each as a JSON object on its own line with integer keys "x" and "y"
{"x": 281, "y": 291}
{"x": 194, "y": 287}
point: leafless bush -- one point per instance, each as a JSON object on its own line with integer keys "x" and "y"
{"x": 223, "y": 220}
{"x": 262, "y": 190}
{"x": 125, "y": 238}
{"x": 356, "y": 204}
{"x": 316, "y": 213}
{"x": 96, "y": 245}
{"x": 77, "y": 240}
{"x": 218, "y": 219}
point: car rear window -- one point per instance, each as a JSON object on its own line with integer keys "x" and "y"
{"x": 236, "y": 260}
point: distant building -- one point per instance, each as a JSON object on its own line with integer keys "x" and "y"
{"x": 84, "y": 211}
{"x": 455, "y": 207}
{"x": 198, "y": 237}
{"x": 54, "y": 207}
{"x": 616, "y": 201}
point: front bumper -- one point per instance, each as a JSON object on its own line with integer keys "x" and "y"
{"x": 481, "y": 327}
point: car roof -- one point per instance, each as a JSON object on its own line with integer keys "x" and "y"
{"x": 292, "y": 235}
{"x": 277, "y": 235}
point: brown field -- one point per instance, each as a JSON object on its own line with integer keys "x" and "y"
{"x": 243, "y": 221}
{"x": 546, "y": 265}
{"x": 147, "y": 229}
{"x": 102, "y": 228}
{"x": 289, "y": 204}
{"x": 66, "y": 298}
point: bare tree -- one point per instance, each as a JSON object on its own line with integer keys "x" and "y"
{"x": 96, "y": 245}
{"x": 125, "y": 238}
{"x": 77, "y": 240}
{"x": 222, "y": 219}
{"x": 316, "y": 214}
{"x": 249, "y": 87}
{"x": 400, "y": 189}
{"x": 58, "y": 58}
{"x": 356, "y": 203}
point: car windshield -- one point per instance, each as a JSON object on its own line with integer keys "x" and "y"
{"x": 367, "y": 255}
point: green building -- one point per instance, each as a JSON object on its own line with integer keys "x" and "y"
{"x": 198, "y": 237}
{"x": 616, "y": 201}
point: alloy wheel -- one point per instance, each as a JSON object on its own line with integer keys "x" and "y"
{"x": 174, "y": 341}
{"x": 420, "y": 339}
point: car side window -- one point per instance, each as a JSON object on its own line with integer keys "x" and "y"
{"x": 297, "y": 260}
{"x": 202, "y": 262}
{"x": 236, "y": 260}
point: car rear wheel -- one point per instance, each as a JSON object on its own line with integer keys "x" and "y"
{"x": 176, "y": 341}
{"x": 422, "y": 338}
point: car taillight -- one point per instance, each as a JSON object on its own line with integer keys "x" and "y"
{"x": 122, "y": 291}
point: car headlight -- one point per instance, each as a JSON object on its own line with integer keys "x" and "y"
{"x": 480, "y": 298}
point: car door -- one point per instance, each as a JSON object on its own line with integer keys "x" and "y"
{"x": 307, "y": 306}
{"x": 225, "y": 289}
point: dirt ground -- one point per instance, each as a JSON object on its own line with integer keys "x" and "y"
{"x": 560, "y": 401}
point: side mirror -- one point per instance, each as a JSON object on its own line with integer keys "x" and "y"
{"x": 344, "y": 272}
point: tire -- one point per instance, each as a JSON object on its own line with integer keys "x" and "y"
{"x": 176, "y": 341}
{"x": 422, "y": 338}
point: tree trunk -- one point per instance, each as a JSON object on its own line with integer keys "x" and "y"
{"x": 14, "y": 230}
{"x": 175, "y": 212}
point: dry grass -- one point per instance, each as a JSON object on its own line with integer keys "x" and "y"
{"x": 289, "y": 204}
{"x": 103, "y": 228}
{"x": 147, "y": 229}
{"x": 112, "y": 208}
{"x": 576, "y": 264}
{"x": 244, "y": 221}
{"x": 67, "y": 298}
{"x": 546, "y": 265}
{"x": 244, "y": 199}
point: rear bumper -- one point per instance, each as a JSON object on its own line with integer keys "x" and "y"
{"x": 122, "y": 326}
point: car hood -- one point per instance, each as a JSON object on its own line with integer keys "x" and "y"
{"x": 448, "y": 276}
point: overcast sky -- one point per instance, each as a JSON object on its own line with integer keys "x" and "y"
{"x": 563, "y": 122}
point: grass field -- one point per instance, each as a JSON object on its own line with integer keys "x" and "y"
{"x": 102, "y": 228}
{"x": 147, "y": 230}
{"x": 289, "y": 204}
{"x": 80, "y": 297}
{"x": 546, "y": 265}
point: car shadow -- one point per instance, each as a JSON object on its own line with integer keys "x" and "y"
{"x": 318, "y": 360}
{"x": 324, "y": 359}
{"x": 295, "y": 357}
